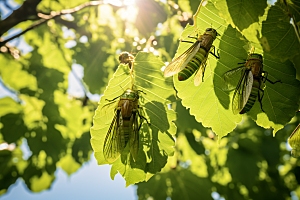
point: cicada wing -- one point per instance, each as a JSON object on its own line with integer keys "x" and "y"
{"x": 134, "y": 135}
{"x": 231, "y": 78}
{"x": 114, "y": 142}
{"x": 181, "y": 61}
{"x": 248, "y": 88}
{"x": 198, "y": 79}
{"x": 294, "y": 142}
{"x": 239, "y": 99}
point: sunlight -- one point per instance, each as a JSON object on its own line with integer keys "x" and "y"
{"x": 120, "y": 2}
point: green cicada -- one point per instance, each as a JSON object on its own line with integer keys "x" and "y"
{"x": 126, "y": 58}
{"x": 124, "y": 127}
{"x": 194, "y": 59}
{"x": 294, "y": 141}
{"x": 249, "y": 82}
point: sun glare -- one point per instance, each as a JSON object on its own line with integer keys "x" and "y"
{"x": 120, "y": 2}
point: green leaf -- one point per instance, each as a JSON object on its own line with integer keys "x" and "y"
{"x": 13, "y": 128}
{"x": 208, "y": 102}
{"x": 176, "y": 184}
{"x": 278, "y": 35}
{"x": 8, "y": 105}
{"x": 156, "y": 140}
{"x": 241, "y": 14}
{"x": 14, "y": 76}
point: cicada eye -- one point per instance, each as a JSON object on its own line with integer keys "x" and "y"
{"x": 208, "y": 29}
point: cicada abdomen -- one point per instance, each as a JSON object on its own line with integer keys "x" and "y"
{"x": 194, "y": 59}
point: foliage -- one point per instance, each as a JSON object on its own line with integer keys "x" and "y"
{"x": 192, "y": 162}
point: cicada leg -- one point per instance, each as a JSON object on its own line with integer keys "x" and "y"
{"x": 189, "y": 41}
{"x": 141, "y": 116}
{"x": 141, "y": 91}
{"x": 214, "y": 53}
{"x": 266, "y": 78}
{"x": 113, "y": 98}
{"x": 260, "y": 98}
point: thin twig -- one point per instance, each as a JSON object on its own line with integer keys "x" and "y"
{"x": 53, "y": 14}
{"x": 294, "y": 21}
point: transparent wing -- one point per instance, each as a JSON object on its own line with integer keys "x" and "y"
{"x": 294, "y": 141}
{"x": 239, "y": 97}
{"x": 248, "y": 88}
{"x": 232, "y": 77}
{"x": 180, "y": 62}
{"x": 134, "y": 136}
{"x": 199, "y": 75}
{"x": 114, "y": 142}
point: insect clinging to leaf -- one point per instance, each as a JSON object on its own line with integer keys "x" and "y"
{"x": 125, "y": 126}
{"x": 249, "y": 82}
{"x": 193, "y": 60}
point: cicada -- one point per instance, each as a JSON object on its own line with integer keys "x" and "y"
{"x": 124, "y": 127}
{"x": 249, "y": 82}
{"x": 194, "y": 59}
{"x": 294, "y": 141}
{"x": 126, "y": 58}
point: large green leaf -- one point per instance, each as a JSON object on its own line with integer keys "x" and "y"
{"x": 278, "y": 35}
{"x": 177, "y": 184}
{"x": 208, "y": 102}
{"x": 241, "y": 14}
{"x": 211, "y": 105}
{"x": 156, "y": 140}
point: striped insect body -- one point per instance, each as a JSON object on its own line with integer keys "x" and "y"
{"x": 125, "y": 127}
{"x": 294, "y": 142}
{"x": 193, "y": 60}
{"x": 249, "y": 82}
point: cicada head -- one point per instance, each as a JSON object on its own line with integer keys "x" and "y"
{"x": 212, "y": 32}
{"x": 255, "y": 56}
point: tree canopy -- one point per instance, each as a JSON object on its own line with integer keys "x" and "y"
{"x": 190, "y": 143}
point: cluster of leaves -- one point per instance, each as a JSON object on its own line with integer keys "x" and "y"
{"x": 246, "y": 164}
{"x": 40, "y": 113}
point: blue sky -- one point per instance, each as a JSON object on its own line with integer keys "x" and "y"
{"x": 91, "y": 181}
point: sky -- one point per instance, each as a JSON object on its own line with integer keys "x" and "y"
{"x": 91, "y": 181}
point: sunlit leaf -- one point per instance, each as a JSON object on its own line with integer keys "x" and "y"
{"x": 156, "y": 140}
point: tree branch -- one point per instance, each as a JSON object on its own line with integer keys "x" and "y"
{"x": 25, "y": 12}
{"x": 53, "y": 14}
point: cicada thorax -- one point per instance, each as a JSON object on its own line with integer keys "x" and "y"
{"x": 128, "y": 106}
{"x": 206, "y": 40}
{"x": 254, "y": 64}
